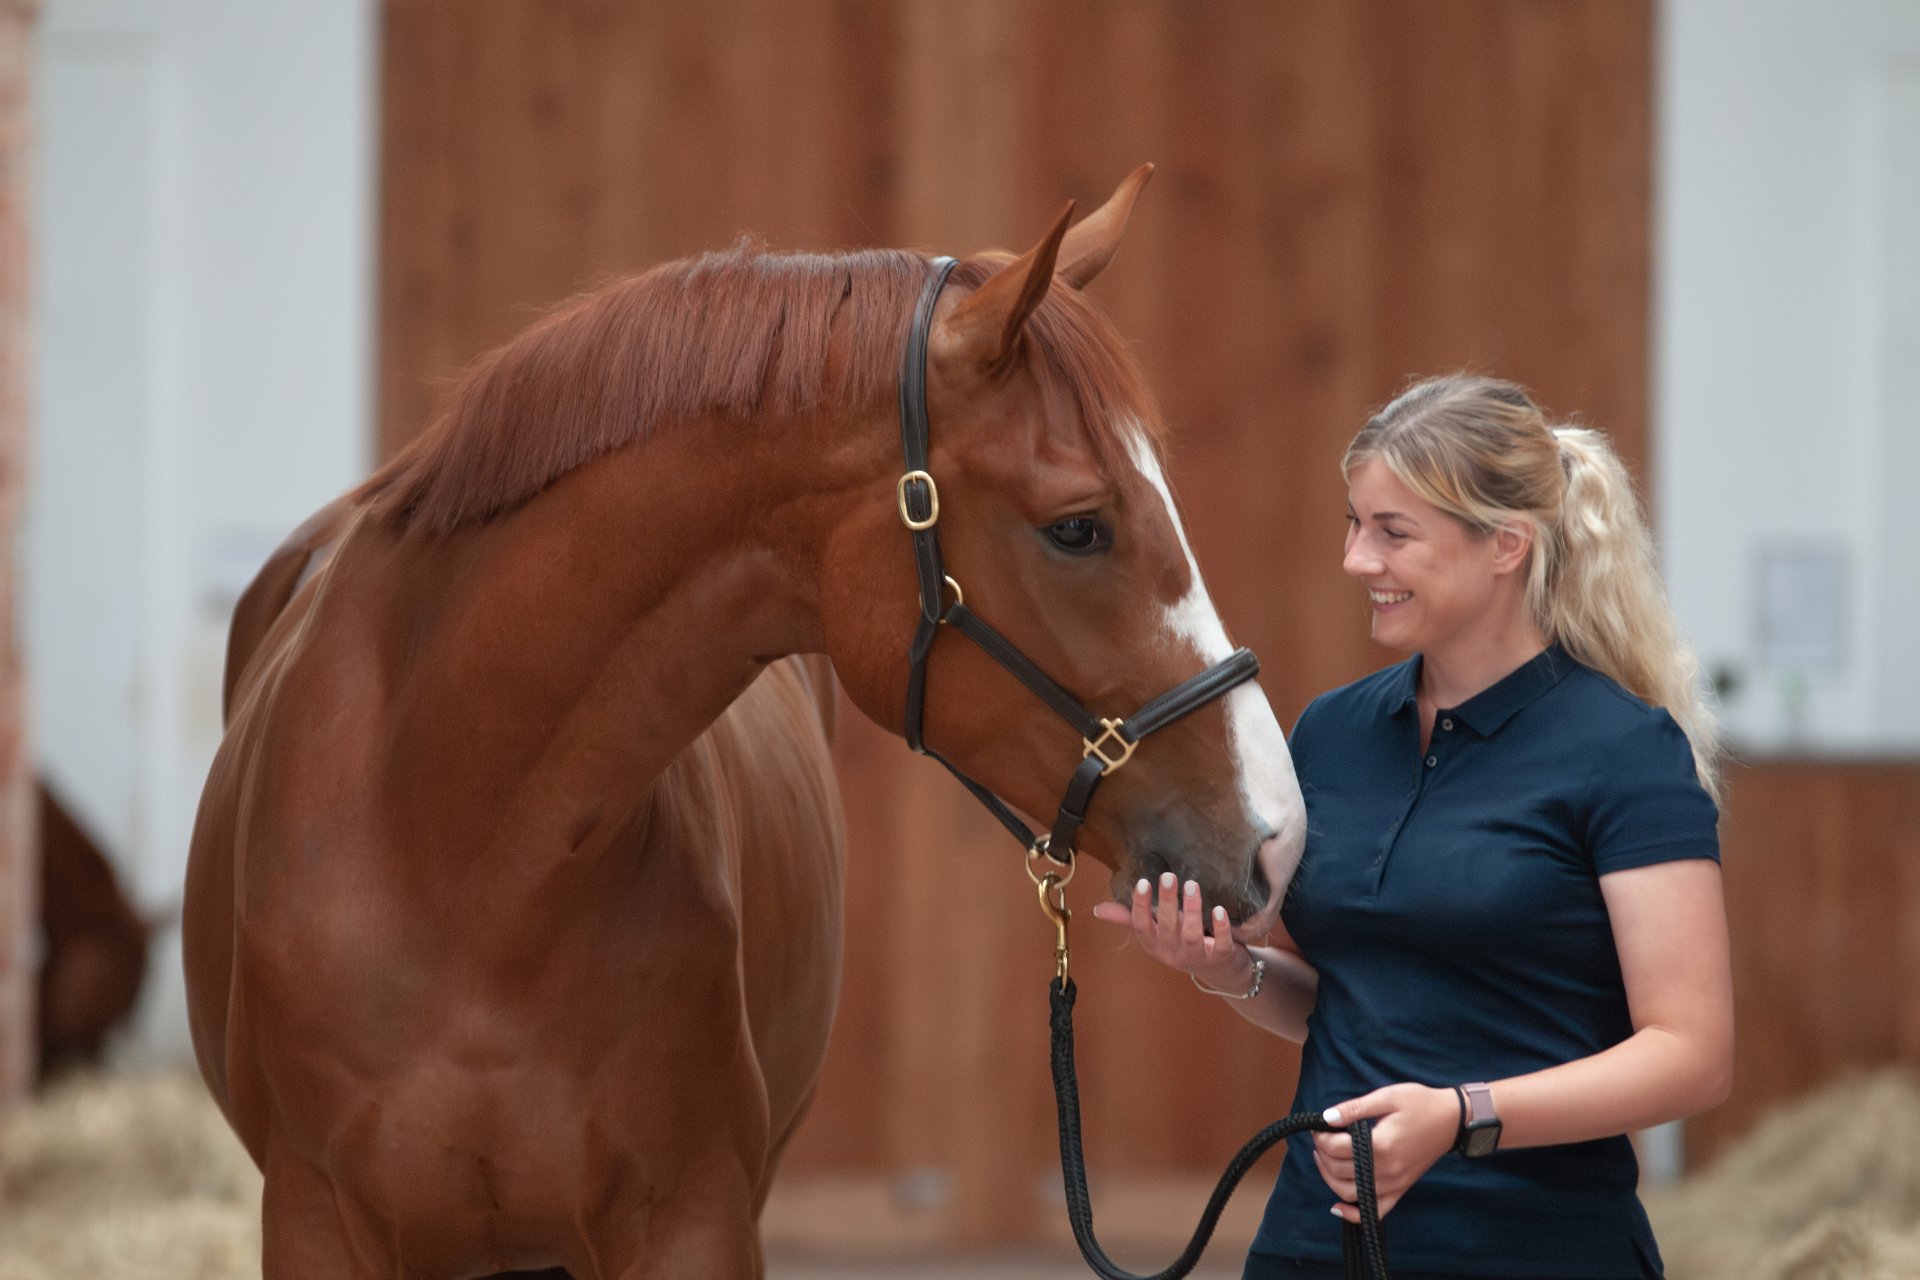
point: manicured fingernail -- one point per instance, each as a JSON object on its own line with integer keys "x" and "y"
{"x": 1333, "y": 1117}
{"x": 1143, "y": 886}
{"x": 1335, "y": 1211}
{"x": 1166, "y": 879}
{"x": 1193, "y": 888}
{"x": 1219, "y": 913}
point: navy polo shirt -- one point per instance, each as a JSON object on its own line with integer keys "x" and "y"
{"x": 1450, "y": 900}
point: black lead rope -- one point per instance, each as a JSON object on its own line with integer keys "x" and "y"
{"x": 1108, "y": 744}
{"x": 1363, "y": 1252}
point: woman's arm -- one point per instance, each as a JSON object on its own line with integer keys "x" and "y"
{"x": 1175, "y": 933}
{"x": 1286, "y": 993}
{"x": 1670, "y": 927}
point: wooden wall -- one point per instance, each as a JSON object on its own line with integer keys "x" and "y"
{"x": 1822, "y": 867}
{"x": 1348, "y": 193}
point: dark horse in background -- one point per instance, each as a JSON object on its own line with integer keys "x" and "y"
{"x": 513, "y": 918}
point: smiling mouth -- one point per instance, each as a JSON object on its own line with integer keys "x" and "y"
{"x": 1389, "y": 597}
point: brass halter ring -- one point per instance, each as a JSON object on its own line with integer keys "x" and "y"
{"x": 1040, "y": 849}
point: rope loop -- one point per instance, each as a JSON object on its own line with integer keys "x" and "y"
{"x": 1361, "y": 1245}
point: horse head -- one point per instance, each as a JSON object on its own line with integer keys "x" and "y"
{"x": 1058, "y": 525}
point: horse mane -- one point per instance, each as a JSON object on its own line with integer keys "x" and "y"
{"x": 737, "y": 333}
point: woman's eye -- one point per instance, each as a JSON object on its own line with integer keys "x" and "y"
{"x": 1079, "y": 535}
{"x": 1395, "y": 534}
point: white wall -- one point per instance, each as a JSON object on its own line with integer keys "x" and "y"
{"x": 1786, "y": 414}
{"x": 204, "y": 266}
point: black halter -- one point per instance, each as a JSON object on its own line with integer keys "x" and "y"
{"x": 1108, "y": 743}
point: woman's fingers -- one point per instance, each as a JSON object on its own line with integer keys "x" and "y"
{"x": 1142, "y": 908}
{"x": 1337, "y": 1146}
{"x": 1172, "y": 925}
{"x": 1351, "y": 1212}
{"x": 1193, "y": 919}
{"x": 1220, "y": 942}
{"x": 1344, "y": 1168}
{"x": 1166, "y": 912}
{"x": 1341, "y": 1184}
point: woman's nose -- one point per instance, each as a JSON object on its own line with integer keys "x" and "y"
{"x": 1360, "y": 562}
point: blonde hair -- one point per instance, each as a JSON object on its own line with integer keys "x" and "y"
{"x": 1483, "y": 452}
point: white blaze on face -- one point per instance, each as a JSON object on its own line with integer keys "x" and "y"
{"x": 1263, "y": 767}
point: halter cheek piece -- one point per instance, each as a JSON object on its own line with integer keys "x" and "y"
{"x": 1107, "y": 744}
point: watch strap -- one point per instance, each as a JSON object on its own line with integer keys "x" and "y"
{"x": 1479, "y": 1123}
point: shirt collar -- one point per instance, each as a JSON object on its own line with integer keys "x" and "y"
{"x": 1485, "y": 712}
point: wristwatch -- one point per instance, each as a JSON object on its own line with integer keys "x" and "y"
{"x": 1479, "y": 1126}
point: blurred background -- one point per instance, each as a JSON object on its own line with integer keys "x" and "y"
{"x": 243, "y": 243}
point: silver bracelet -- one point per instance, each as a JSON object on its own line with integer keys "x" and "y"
{"x": 1259, "y": 972}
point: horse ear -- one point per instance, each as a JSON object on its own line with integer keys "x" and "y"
{"x": 1089, "y": 247}
{"x": 985, "y": 326}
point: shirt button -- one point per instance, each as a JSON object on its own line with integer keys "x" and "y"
{"x": 1447, "y": 723}
{"x": 1432, "y": 761}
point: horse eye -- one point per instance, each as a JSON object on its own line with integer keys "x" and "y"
{"x": 1079, "y": 535}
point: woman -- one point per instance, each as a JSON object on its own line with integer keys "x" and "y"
{"x": 1506, "y": 945}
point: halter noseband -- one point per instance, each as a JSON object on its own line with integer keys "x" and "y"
{"x": 1107, "y": 743}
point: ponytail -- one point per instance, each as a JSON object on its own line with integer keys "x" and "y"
{"x": 1604, "y": 600}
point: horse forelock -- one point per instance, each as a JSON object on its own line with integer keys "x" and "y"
{"x": 733, "y": 334}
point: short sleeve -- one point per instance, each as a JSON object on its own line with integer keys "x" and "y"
{"x": 1646, "y": 804}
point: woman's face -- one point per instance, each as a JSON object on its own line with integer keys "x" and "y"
{"x": 1430, "y": 579}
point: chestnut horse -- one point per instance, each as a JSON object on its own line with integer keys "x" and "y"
{"x": 513, "y": 919}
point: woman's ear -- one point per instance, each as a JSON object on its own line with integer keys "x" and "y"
{"x": 1511, "y": 542}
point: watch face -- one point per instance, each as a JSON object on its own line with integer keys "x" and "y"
{"x": 1482, "y": 1141}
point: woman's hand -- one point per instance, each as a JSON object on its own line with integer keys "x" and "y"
{"x": 1175, "y": 933}
{"x": 1413, "y": 1126}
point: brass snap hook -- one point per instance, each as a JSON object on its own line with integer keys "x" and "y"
{"x": 1052, "y": 888}
{"x": 1053, "y": 901}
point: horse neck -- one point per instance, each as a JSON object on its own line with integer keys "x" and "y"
{"x": 614, "y": 617}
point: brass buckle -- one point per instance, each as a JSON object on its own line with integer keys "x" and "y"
{"x": 933, "y": 501}
{"x": 959, "y": 596}
{"x": 1098, "y": 746}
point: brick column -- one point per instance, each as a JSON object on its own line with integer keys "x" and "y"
{"x": 18, "y": 865}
